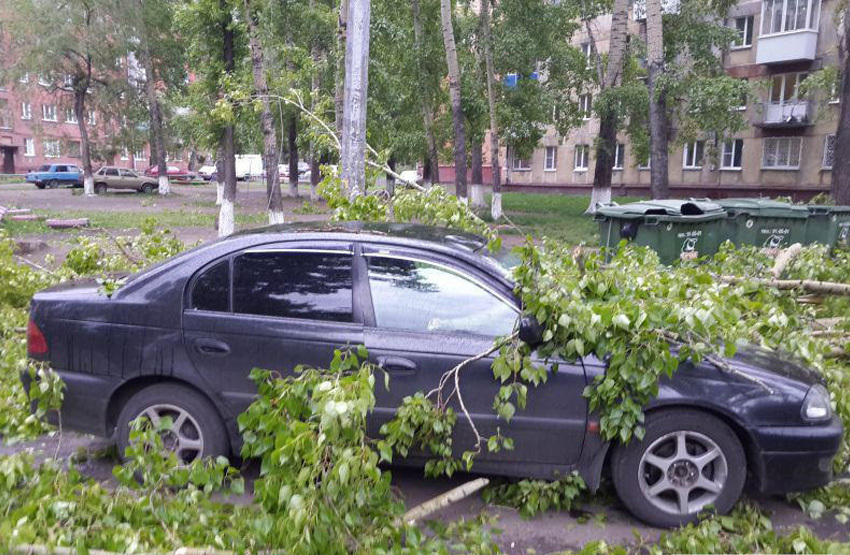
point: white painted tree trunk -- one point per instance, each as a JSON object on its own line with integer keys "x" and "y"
{"x": 226, "y": 223}
{"x": 599, "y": 195}
{"x": 88, "y": 185}
{"x": 164, "y": 185}
{"x": 476, "y": 195}
{"x": 276, "y": 217}
{"x": 496, "y": 206}
{"x": 219, "y": 192}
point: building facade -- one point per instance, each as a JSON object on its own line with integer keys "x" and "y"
{"x": 38, "y": 126}
{"x": 786, "y": 148}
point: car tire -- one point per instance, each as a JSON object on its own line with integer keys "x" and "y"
{"x": 147, "y": 189}
{"x": 665, "y": 485}
{"x": 53, "y": 184}
{"x": 99, "y": 188}
{"x": 40, "y": 185}
{"x": 201, "y": 432}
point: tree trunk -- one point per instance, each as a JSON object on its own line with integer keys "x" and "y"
{"x": 432, "y": 158}
{"x": 840, "y": 188}
{"x": 315, "y": 84}
{"x": 658, "y": 125}
{"x": 356, "y": 88}
{"x": 155, "y": 114}
{"x": 495, "y": 165}
{"x": 293, "y": 156}
{"x": 261, "y": 89}
{"x": 476, "y": 196}
{"x": 458, "y": 123}
{"x": 85, "y": 146}
{"x": 227, "y": 217}
{"x": 390, "y": 177}
{"x": 193, "y": 159}
{"x": 607, "y": 142}
{"x": 339, "y": 83}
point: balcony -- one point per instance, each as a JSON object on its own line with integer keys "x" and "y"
{"x": 795, "y": 113}
{"x": 792, "y": 46}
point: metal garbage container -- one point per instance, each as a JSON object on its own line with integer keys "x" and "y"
{"x": 829, "y": 225}
{"x": 766, "y": 223}
{"x": 676, "y": 229}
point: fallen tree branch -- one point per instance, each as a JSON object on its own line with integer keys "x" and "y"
{"x": 807, "y": 285}
{"x": 784, "y": 258}
{"x": 443, "y": 500}
{"x": 827, "y": 323}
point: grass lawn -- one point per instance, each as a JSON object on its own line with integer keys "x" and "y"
{"x": 560, "y": 217}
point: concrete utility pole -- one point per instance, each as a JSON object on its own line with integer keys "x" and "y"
{"x": 353, "y": 151}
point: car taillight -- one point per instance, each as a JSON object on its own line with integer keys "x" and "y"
{"x": 36, "y": 343}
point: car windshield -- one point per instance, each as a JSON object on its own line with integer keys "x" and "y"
{"x": 504, "y": 261}
{"x": 44, "y": 168}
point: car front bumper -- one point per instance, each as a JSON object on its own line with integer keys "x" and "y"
{"x": 796, "y": 458}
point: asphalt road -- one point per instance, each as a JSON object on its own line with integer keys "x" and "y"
{"x": 546, "y": 533}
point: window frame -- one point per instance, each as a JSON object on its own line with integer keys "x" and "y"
{"x": 692, "y": 148}
{"x": 618, "y": 164}
{"x": 51, "y": 143}
{"x": 813, "y": 9}
{"x": 749, "y": 23}
{"x": 585, "y": 106}
{"x": 554, "y": 165}
{"x": 740, "y": 166}
{"x": 826, "y": 138}
{"x": 49, "y": 109}
{"x": 518, "y": 166}
{"x": 29, "y": 142}
{"x": 26, "y": 111}
{"x": 585, "y": 156}
{"x": 786, "y": 167}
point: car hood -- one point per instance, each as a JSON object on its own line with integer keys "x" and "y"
{"x": 764, "y": 362}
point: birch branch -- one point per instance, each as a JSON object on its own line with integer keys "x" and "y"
{"x": 807, "y": 285}
{"x": 443, "y": 500}
{"x": 784, "y": 258}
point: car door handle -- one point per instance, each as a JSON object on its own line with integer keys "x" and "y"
{"x": 397, "y": 365}
{"x": 207, "y": 346}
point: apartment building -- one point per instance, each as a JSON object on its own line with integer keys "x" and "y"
{"x": 787, "y": 149}
{"x": 38, "y": 126}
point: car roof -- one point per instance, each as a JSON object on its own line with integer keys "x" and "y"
{"x": 408, "y": 233}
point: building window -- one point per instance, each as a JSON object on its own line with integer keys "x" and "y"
{"x": 733, "y": 150}
{"x": 784, "y": 16}
{"x": 92, "y": 117}
{"x": 522, "y": 164}
{"x": 585, "y": 105}
{"x": 835, "y": 91}
{"x": 174, "y": 156}
{"x": 139, "y": 155}
{"x": 52, "y": 149}
{"x": 784, "y": 87}
{"x": 25, "y": 78}
{"x": 551, "y": 163}
{"x": 828, "y": 151}
{"x": 29, "y": 147}
{"x": 619, "y": 156}
{"x": 745, "y": 97}
{"x": 125, "y": 154}
{"x": 48, "y": 112}
{"x": 43, "y": 80}
{"x": 74, "y": 149}
{"x": 70, "y": 116}
{"x": 744, "y": 26}
{"x": 69, "y": 80}
{"x": 26, "y": 110}
{"x": 646, "y": 163}
{"x": 693, "y": 153}
{"x": 587, "y": 52}
{"x": 782, "y": 153}
{"x": 5, "y": 115}
{"x": 581, "y": 158}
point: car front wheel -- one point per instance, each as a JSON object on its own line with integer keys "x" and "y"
{"x": 147, "y": 188}
{"x": 196, "y": 428}
{"x": 687, "y": 463}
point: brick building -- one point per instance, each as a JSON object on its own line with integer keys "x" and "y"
{"x": 787, "y": 147}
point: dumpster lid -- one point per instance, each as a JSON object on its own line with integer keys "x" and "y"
{"x": 763, "y": 207}
{"x": 815, "y": 209}
{"x": 671, "y": 208}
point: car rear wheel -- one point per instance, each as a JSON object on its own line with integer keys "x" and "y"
{"x": 196, "y": 431}
{"x": 687, "y": 463}
{"x": 147, "y": 188}
{"x": 99, "y": 188}
{"x": 53, "y": 184}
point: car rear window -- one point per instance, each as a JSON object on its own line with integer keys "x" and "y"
{"x": 212, "y": 289}
{"x": 291, "y": 284}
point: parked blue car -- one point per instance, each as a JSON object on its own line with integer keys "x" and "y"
{"x": 54, "y": 175}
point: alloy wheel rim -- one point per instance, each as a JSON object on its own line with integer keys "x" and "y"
{"x": 682, "y": 472}
{"x": 184, "y": 437}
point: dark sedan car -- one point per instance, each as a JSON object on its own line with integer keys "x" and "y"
{"x": 181, "y": 338}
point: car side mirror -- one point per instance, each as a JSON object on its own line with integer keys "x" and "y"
{"x": 530, "y": 331}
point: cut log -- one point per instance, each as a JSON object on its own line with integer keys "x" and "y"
{"x": 784, "y": 258}
{"x": 25, "y": 217}
{"x": 15, "y": 211}
{"x": 444, "y": 500}
{"x": 807, "y": 285}
{"x": 67, "y": 224}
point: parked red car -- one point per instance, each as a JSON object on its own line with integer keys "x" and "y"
{"x": 173, "y": 172}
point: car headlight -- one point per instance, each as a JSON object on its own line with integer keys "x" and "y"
{"x": 816, "y": 405}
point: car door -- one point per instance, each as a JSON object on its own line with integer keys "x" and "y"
{"x": 429, "y": 314}
{"x": 111, "y": 178}
{"x": 271, "y": 307}
{"x": 129, "y": 180}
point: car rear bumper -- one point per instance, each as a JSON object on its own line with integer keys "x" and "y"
{"x": 796, "y": 458}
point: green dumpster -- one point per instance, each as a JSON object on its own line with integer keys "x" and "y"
{"x": 829, "y": 225}
{"x": 769, "y": 224}
{"x": 675, "y": 229}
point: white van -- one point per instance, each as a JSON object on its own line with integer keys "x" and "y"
{"x": 249, "y": 166}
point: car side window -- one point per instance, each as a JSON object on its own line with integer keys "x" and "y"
{"x": 293, "y": 284}
{"x": 212, "y": 289}
{"x": 61, "y": 169}
{"x": 127, "y": 173}
{"x": 424, "y": 297}
{"x": 112, "y": 172}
